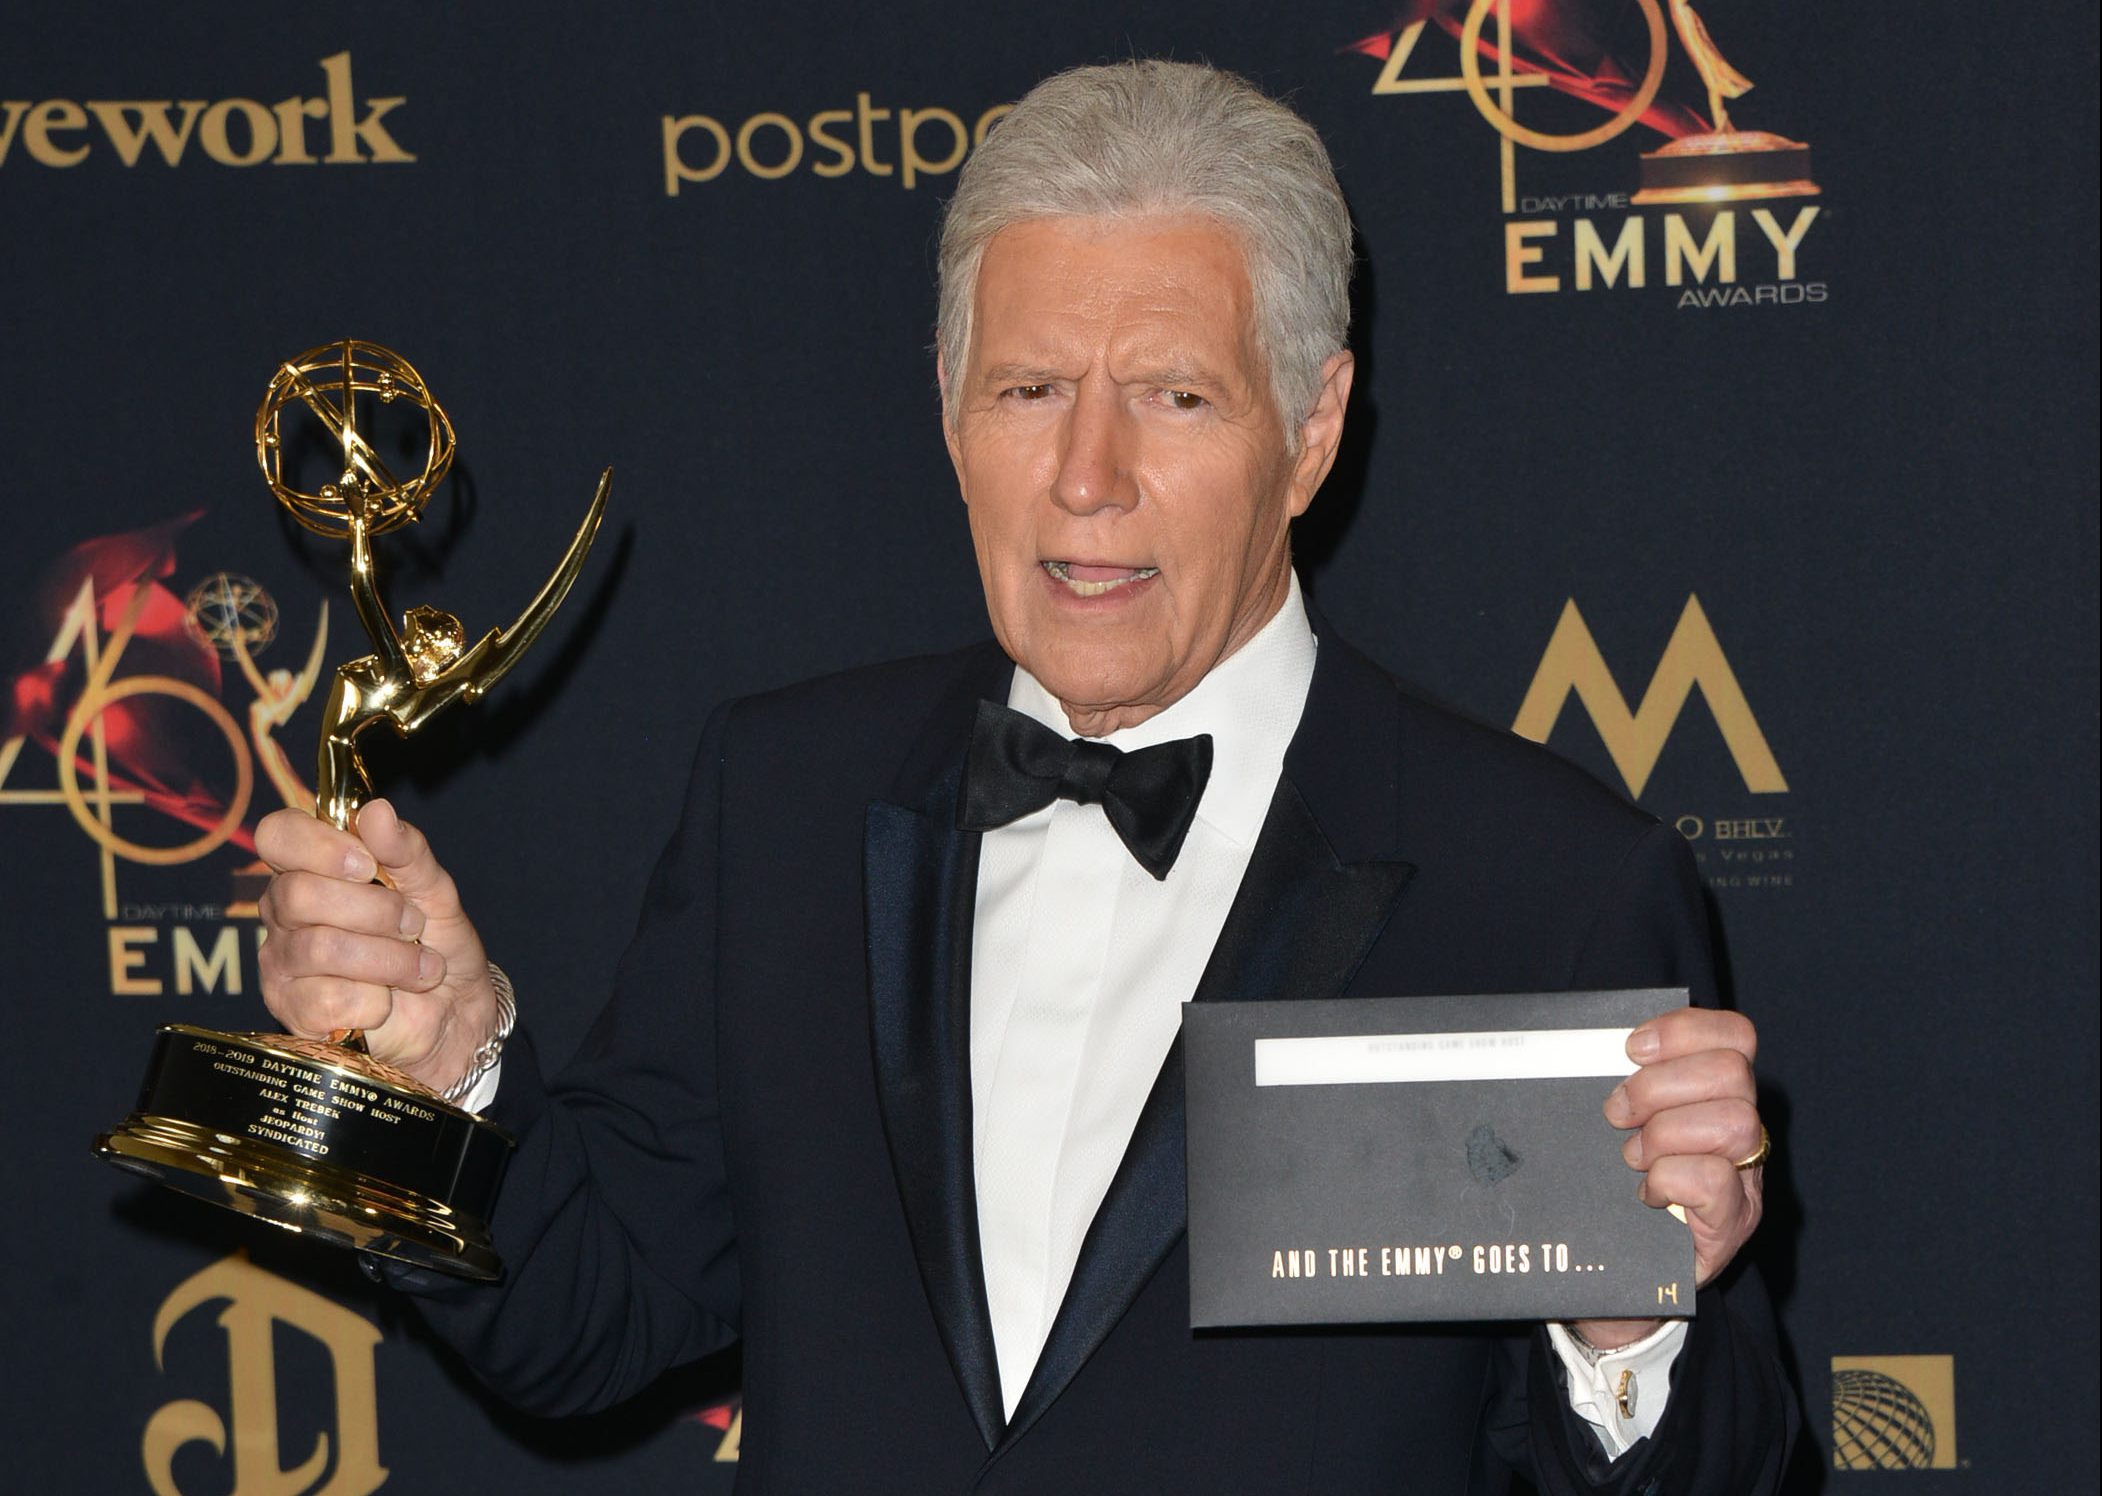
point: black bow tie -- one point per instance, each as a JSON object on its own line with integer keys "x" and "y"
{"x": 1017, "y": 766}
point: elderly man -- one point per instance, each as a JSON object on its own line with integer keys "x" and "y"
{"x": 889, "y": 1085}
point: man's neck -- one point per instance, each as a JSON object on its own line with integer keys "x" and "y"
{"x": 1250, "y": 704}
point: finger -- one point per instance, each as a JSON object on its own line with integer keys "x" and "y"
{"x": 406, "y": 855}
{"x": 1685, "y": 1031}
{"x": 1727, "y": 1129}
{"x": 1708, "y": 1188}
{"x": 288, "y": 839}
{"x": 325, "y": 951}
{"x": 295, "y": 900}
{"x": 1711, "y": 1075}
{"x": 1722, "y": 1204}
{"x": 317, "y": 1006}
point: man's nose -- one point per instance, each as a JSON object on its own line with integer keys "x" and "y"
{"x": 1094, "y": 470}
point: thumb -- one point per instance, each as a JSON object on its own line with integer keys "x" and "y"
{"x": 405, "y": 858}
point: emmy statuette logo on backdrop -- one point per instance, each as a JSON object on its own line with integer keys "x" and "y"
{"x": 312, "y": 1134}
{"x": 1721, "y": 164}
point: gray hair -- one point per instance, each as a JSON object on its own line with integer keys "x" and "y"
{"x": 1146, "y": 137}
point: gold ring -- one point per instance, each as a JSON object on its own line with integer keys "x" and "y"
{"x": 1760, "y": 1154}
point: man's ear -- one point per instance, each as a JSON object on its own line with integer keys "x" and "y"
{"x": 941, "y": 381}
{"x": 1321, "y": 433}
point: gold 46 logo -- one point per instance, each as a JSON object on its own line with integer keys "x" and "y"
{"x": 129, "y": 704}
{"x": 109, "y": 753}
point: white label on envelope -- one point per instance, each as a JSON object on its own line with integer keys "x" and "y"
{"x": 1380, "y": 1059}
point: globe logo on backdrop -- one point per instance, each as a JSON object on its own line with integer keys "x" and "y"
{"x": 1877, "y": 1424}
{"x": 1894, "y": 1413}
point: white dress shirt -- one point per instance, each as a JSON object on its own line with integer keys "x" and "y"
{"x": 1080, "y": 964}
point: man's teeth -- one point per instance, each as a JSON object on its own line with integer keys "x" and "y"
{"x": 1063, "y": 571}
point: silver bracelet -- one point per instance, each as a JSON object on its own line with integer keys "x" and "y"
{"x": 492, "y": 1048}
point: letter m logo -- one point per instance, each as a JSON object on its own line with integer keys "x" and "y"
{"x": 1635, "y": 738}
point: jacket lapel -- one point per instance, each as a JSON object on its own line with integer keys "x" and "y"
{"x": 1301, "y": 924}
{"x": 920, "y": 878}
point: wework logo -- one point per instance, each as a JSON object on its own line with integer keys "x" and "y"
{"x": 1635, "y": 739}
{"x": 232, "y": 132}
{"x": 259, "y": 1306}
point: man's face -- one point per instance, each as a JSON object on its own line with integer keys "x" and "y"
{"x": 1129, "y": 483}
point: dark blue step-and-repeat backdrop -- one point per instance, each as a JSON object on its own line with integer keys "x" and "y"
{"x": 1778, "y": 513}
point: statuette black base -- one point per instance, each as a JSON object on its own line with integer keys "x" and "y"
{"x": 245, "y": 1122}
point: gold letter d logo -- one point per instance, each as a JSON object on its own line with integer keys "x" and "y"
{"x": 256, "y": 1302}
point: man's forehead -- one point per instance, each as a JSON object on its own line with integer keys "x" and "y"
{"x": 1142, "y": 282}
{"x": 1164, "y": 247}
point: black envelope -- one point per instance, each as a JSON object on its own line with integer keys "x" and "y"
{"x": 1420, "y": 1158}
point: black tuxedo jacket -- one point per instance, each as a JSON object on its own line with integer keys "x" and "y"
{"x": 767, "y": 1135}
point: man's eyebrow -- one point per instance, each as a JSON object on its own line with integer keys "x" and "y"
{"x": 1017, "y": 373}
{"x": 1174, "y": 376}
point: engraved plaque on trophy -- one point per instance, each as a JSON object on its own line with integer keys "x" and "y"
{"x": 314, "y": 1134}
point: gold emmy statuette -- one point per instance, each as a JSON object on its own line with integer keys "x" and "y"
{"x": 1723, "y": 164}
{"x": 315, "y": 1134}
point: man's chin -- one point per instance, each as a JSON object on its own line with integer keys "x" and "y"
{"x": 1101, "y": 696}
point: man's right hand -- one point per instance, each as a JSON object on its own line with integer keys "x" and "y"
{"x": 401, "y": 962}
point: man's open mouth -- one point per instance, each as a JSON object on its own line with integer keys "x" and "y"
{"x": 1084, "y": 580}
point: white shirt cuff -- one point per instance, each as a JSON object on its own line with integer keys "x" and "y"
{"x": 484, "y": 1092}
{"x": 1621, "y": 1394}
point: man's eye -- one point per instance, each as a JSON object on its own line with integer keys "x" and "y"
{"x": 1185, "y": 399}
{"x": 1027, "y": 391}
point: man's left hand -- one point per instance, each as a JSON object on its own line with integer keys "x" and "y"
{"x": 1693, "y": 1110}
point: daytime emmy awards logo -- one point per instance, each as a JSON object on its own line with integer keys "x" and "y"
{"x": 151, "y": 720}
{"x": 1727, "y": 234}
